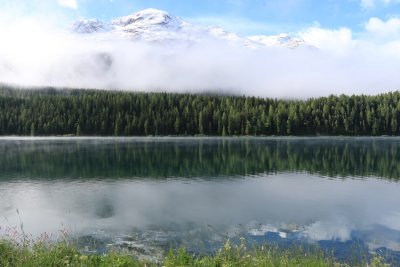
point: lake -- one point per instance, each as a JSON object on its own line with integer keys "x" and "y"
{"x": 145, "y": 195}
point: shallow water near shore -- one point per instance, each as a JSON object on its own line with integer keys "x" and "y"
{"x": 145, "y": 195}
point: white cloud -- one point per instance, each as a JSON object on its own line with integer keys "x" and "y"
{"x": 73, "y": 4}
{"x": 377, "y": 34}
{"x": 384, "y": 29}
{"x": 338, "y": 41}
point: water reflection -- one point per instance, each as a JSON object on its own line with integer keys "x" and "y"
{"x": 202, "y": 157}
{"x": 292, "y": 206}
{"x": 260, "y": 189}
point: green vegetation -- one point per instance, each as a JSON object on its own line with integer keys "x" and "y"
{"x": 106, "y": 113}
{"x": 62, "y": 254}
{"x": 42, "y": 254}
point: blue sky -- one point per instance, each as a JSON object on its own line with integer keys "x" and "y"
{"x": 242, "y": 16}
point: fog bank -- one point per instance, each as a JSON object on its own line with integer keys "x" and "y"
{"x": 32, "y": 54}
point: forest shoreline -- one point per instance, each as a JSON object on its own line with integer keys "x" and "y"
{"x": 78, "y": 112}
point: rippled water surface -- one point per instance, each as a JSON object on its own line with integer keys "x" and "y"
{"x": 148, "y": 194}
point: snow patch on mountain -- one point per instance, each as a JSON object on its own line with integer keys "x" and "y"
{"x": 148, "y": 18}
{"x": 153, "y": 25}
{"x": 277, "y": 40}
{"x": 90, "y": 26}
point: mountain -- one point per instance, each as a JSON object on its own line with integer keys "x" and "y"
{"x": 153, "y": 25}
{"x": 90, "y": 26}
{"x": 278, "y": 40}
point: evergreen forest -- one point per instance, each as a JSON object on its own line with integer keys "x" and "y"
{"x": 80, "y": 112}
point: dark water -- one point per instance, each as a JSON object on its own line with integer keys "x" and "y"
{"x": 147, "y": 194}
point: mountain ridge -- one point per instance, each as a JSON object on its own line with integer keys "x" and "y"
{"x": 154, "y": 25}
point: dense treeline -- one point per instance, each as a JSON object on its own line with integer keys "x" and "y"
{"x": 106, "y": 113}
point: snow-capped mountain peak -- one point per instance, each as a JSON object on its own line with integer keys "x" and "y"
{"x": 159, "y": 26}
{"x": 90, "y": 26}
{"x": 148, "y": 17}
{"x": 220, "y": 33}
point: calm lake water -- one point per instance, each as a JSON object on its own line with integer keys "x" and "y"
{"x": 147, "y": 194}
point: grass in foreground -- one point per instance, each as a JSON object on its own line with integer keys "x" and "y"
{"x": 43, "y": 254}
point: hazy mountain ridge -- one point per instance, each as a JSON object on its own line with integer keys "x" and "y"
{"x": 159, "y": 26}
